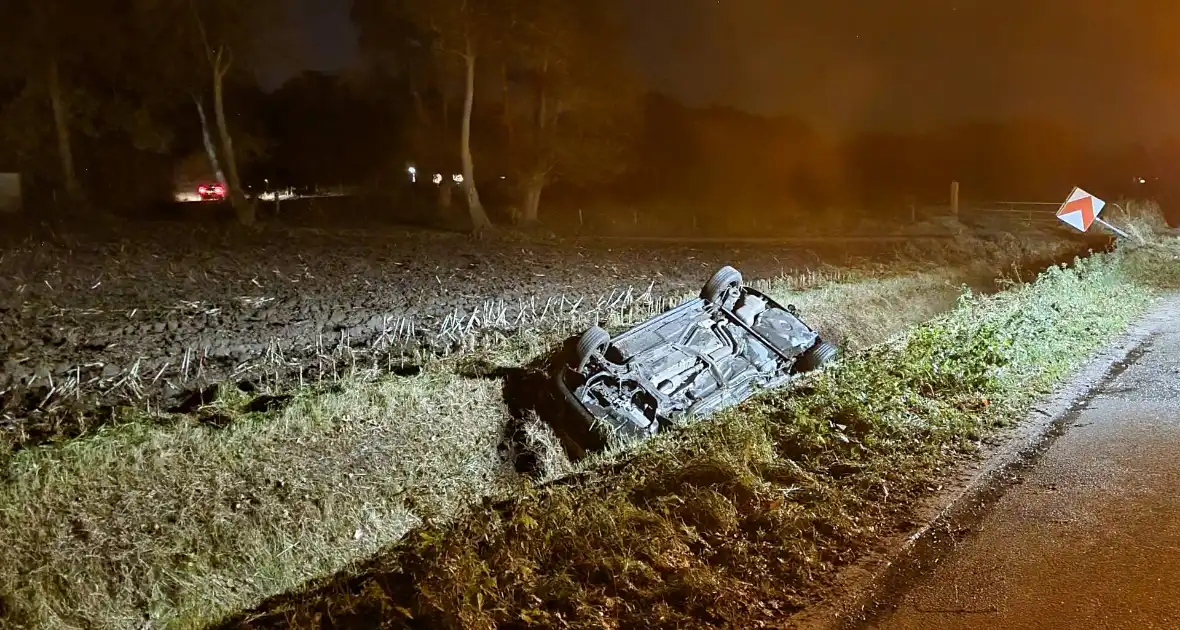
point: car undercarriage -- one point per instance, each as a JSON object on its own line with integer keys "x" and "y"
{"x": 707, "y": 354}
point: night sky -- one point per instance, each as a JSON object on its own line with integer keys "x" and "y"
{"x": 326, "y": 31}
{"x": 1106, "y": 66}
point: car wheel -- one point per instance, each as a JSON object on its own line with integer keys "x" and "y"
{"x": 592, "y": 341}
{"x": 722, "y": 282}
{"x": 818, "y": 355}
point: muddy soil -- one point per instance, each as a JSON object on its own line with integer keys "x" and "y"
{"x": 155, "y": 311}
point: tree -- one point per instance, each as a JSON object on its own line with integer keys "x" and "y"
{"x": 570, "y": 104}
{"x": 396, "y": 51}
{"x": 564, "y": 105}
{"x": 44, "y": 41}
{"x": 461, "y": 33}
{"x": 202, "y": 48}
{"x": 82, "y": 110}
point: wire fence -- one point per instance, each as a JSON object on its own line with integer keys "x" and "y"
{"x": 1032, "y": 214}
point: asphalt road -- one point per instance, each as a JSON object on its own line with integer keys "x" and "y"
{"x": 1090, "y": 538}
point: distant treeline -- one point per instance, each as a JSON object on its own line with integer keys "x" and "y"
{"x": 558, "y": 123}
{"x": 319, "y": 129}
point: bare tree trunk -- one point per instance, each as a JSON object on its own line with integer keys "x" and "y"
{"x": 507, "y": 97}
{"x": 532, "y": 200}
{"x": 420, "y": 107}
{"x": 534, "y": 183}
{"x": 424, "y": 141}
{"x": 207, "y": 137}
{"x": 479, "y": 218}
{"x": 543, "y": 107}
{"x": 61, "y": 123}
{"x": 242, "y": 206}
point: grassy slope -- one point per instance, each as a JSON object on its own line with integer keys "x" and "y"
{"x": 186, "y": 522}
{"x": 742, "y": 520}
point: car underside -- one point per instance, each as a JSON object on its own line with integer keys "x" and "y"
{"x": 707, "y": 354}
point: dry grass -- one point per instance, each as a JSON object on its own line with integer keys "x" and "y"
{"x": 1143, "y": 221}
{"x": 185, "y": 522}
{"x": 1153, "y": 248}
{"x": 182, "y": 522}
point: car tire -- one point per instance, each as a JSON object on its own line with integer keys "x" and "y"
{"x": 574, "y": 423}
{"x": 818, "y": 355}
{"x": 594, "y": 340}
{"x": 725, "y": 279}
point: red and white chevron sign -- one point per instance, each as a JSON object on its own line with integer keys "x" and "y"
{"x": 1080, "y": 210}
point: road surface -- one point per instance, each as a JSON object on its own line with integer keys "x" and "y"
{"x": 1090, "y": 538}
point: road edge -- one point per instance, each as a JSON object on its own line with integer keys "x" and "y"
{"x": 872, "y": 586}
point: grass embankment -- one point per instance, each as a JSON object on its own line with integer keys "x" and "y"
{"x": 184, "y": 520}
{"x": 745, "y": 518}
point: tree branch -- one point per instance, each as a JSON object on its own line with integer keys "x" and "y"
{"x": 192, "y": 5}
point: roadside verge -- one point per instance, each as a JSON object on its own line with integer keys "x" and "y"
{"x": 870, "y": 587}
{"x": 747, "y": 519}
{"x": 186, "y": 516}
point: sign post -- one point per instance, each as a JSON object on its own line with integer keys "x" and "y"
{"x": 1112, "y": 228}
{"x": 1081, "y": 210}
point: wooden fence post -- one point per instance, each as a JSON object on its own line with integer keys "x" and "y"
{"x": 955, "y": 198}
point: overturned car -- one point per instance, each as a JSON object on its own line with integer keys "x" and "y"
{"x": 706, "y": 354}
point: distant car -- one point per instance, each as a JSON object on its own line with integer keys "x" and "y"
{"x": 211, "y": 192}
{"x": 707, "y": 354}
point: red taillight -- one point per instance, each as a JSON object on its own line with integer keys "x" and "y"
{"x": 202, "y": 189}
